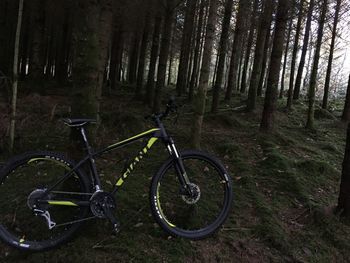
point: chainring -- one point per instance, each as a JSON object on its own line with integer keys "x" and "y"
{"x": 99, "y": 201}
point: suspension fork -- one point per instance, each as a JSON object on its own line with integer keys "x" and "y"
{"x": 179, "y": 166}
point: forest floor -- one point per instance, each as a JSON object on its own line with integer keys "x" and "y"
{"x": 284, "y": 185}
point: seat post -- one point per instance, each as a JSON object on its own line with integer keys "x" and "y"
{"x": 83, "y": 134}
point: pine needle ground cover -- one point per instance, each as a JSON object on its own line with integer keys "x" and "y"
{"x": 284, "y": 185}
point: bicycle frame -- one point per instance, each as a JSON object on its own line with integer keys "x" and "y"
{"x": 154, "y": 134}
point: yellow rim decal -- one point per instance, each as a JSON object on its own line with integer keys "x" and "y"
{"x": 160, "y": 209}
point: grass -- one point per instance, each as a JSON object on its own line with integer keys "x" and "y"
{"x": 282, "y": 183}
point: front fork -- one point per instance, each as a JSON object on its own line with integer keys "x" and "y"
{"x": 179, "y": 167}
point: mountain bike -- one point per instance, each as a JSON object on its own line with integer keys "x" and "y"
{"x": 46, "y": 197}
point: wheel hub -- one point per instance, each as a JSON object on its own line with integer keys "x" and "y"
{"x": 33, "y": 197}
{"x": 194, "y": 196}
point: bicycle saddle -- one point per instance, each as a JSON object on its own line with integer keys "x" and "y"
{"x": 77, "y": 122}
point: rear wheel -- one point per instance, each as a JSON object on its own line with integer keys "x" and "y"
{"x": 199, "y": 214}
{"x": 25, "y": 222}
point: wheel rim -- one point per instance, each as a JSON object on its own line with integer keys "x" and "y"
{"x": 18, "y": 191}
{"x": 187, "y": 214}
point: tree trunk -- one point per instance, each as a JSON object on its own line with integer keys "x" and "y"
{"x": 149, "y": 98}
{"x": 171, "y": 58}
{"x": 163, "y": 57}
{"x": 266, "y": 55}
{"x": 116, "y": 52}
{"x": 249, "y": 46}
{"x": 285, "y": 58}
{"x": 294, "y": 55}
{"x": 86, "y": 59}
{"x": 346, "y": 112}
{"x": 142, "y": 59}
{"x": 38, "y": 55}
{"x": 197, "y": 51}
{"x": 104, "y": 38}
{"x": 15, "y": 77}
{"x": 330, "y": 58}
{"x": 263, "y": 33}
{"x": 200, "y": 97}
{"x": 267, "y": 120}
{"x": 312, "y": 88}
{"x": 296, "y": 92}
{"x": 224, "y": 40}
{"x": 243, "y": 12}
{"x": 186, "y": 47}
{"x": 133, "y": 58}
{"x": 344, "y": 192}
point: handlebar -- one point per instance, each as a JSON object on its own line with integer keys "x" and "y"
{"x": 171, "y": 107}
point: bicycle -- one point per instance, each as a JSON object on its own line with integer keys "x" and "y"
{"x": 46, "y": 197}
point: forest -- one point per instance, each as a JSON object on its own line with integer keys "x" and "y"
{"x": 263, "y": 85}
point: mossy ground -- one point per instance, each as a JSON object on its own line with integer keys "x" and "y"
{"x": 282, "y": 184}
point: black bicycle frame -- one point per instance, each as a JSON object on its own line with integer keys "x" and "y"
{"x": 153, "y": 134}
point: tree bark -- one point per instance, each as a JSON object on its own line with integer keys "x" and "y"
{"x": 285, "y": 58}
{"x": 15, "y": 77}
{"x": 266, "y": 55}
{"x": 86, "y": 59}
{"x": 163, "y": 57}
{"x": 197, "y": 51}
{"x": 312, "y": 88}
{"x": 296, "y": 92}
{"x": 267, "y": 120}
{"x": 249, "y": 46}
{"x": 224, "y": 40}
{"x": 294, "y": 55}
{"x": 38, "y": 55}
{"x": 330, "y": 58}
{"x": 133, "y": 58}
{"x": 263, "y": 33}
{"x": 186, "y": 47}
{"x": 346, "y": 112}
{"x": 243, "y": 11}
{"x": 149, "y": 98}
{"x": 142, "y": 59}
{"x": 200, "y": 96}
{"x": 344, "y": 192}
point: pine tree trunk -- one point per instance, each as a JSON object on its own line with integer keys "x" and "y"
{"x": 197, "y": 51}
{"x": 200, "y": 96}
{"x": 285, "y": 58}
{"x": 249, "y": 46}
{"x": 330, "y": 58}
{"x": 163, "y": 57}
{"x": 344, "y": 192}
{"x": 267, "y": 120}
{"x": 186, "y": 47}
{"x": 224, "y": 40}
{"x": 149, "y": 98}
{"x": 133, "y": 58}
{"x": 15, "y": 77}
{"x": 86, "y": 59}
{"x": 104, "y": 38}
{"x": 346, "y": 112}
{"x": 312, "y": 88}
{"x": 38, "y": 55}
{"x": 243, "y": 12}
{"x": 171, "y": 58}
{"x": 264, "y": 69}
{"x": 263, "y": 33}
{"x": 296, "y": 92}
{"x": 142, "y": 59}
{"x": 294, "y": 55}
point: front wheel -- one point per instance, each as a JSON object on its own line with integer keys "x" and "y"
{"x": 201, "y": 213}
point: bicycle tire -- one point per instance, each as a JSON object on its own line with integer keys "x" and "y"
{"x": 35, "y": 166}
{"x": 165, "y": 208}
